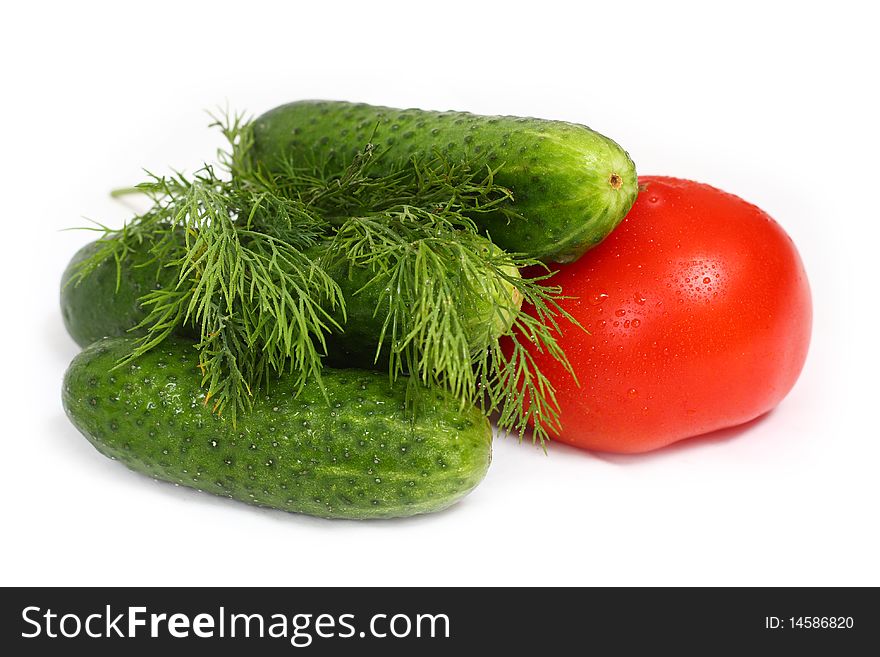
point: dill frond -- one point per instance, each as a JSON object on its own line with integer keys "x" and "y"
{"x": 432, "y": 266}
{"x": 260, "y": 302}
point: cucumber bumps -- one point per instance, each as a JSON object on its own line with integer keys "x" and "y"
{"x": 571, "y": 185}
{"x": 358, "y": 453}
{"x": 106, "y": 302}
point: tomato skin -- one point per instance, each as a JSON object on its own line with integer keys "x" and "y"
{"x": 699, "y": 314}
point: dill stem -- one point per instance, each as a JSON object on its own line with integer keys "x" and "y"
{"x": 119, "y": 192}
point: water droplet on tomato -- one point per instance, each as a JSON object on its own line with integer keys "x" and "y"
{"x": 596, "y": 299}
{"x": 636, "y": 323}
{"x": 639, "y": 298}
{"x": 707, "y": 280}
{"x": 620, "y": 312}
{"x": 632, "y": 392}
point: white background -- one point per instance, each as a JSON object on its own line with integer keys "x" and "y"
{"x": 775, "y": 102}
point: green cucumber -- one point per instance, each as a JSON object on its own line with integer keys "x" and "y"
{"x": 571, "y": 185}
{"x": 358, "y": 453}
{"x": 104, "y": 305}
{"x": 484, "y": 319}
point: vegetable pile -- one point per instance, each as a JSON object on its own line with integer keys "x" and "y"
{"x": 326, "y": 318}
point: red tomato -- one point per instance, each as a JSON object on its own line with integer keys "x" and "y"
{"x": 699, "y": 316}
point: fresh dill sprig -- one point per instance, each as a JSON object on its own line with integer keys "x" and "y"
{"x": 245, "y": 286}
{"x": 260, "y": 302}
{"x": 433, "y": 265}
